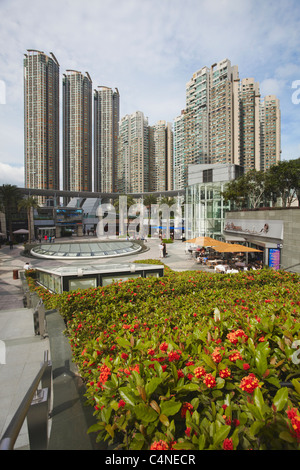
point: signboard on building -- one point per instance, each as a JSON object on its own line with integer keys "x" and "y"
{"x": 274, "y": 258}
{"x": 256, "y": 228}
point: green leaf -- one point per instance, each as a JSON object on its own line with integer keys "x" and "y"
{"x": 145, "y": 413}
{"x": 96, "y": 427}
{"x": 110, "y": 429}
{"x": 281, "y": 398}
{"x": 164, "y": 420}
{"x": 261, "y": 362}
{"x": 127, "y": 396}
{"x": 188, "y": 387}
{"x": 286, "y": 436}
{"x": 255, "y": 411}
{"x": 184, "y": 446}
{"x": 296, "y": 385}
{"x": 208, "y": 360}
{"x": 221, "y": 434}
{"x": 170, "y": 407}
{"x": 123, "y": 342}
{"x": 138, "y": 442}
{"x": 259, "y": 400}
{"x": 201, "y": 442}
{"x": 152, "y": 385}
{"x": 256, "y": 427}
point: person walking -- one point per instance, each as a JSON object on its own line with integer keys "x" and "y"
{"x": 161, "y": 249}
{"x": 164, "y": 250}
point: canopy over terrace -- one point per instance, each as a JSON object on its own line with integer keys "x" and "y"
{"x": 204, "y": 241}
{"x": 223, "y": 247}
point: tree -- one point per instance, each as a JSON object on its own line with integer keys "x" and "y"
{"x": 130, "y": 201}
{"x": 283, "y": 180}
{"x": 249, "y": 190}
{"x": 9, "y": 195}
{"x": 29, "y": 203}
{"x": 170, "y": 201}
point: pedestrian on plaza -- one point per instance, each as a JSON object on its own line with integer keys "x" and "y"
{"x": 161, "y": 248}
{"x": 164, "y": 250}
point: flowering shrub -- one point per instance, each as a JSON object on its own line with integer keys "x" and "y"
{"x": 190, "y": 361}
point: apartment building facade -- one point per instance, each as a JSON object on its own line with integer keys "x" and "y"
{"x": 161, "y": 157}
{"x": 106, "y": 131}
{"x": 250, "y": 124}
{"x": 270, "y": 133}
{"x": 77, "y": 131}
{"x": 133, "y": 154}
{"x": 225, "y": 122}
{"x": 41, "y": 120}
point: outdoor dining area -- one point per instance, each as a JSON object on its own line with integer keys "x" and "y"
{"x": 223, "y": 257}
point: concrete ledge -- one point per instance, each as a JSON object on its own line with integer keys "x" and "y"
{"x": 70, "y": 417}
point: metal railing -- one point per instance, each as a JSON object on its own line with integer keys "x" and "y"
{"x": 35, "y": 406}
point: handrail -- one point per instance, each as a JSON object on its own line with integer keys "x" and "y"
{"x": 11, "y": 434}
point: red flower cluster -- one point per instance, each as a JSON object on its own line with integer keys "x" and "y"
{"x": 224, "y": 373}
{"x": 163, "y": 347}
{"x": 159, "y": 445}
{"x": 249, "y": 383}
{"x": 174, "y": 355}
{"x": 216, "y": 355}
{"x": 199, "y": 372}
{"x": 128, "y": 371}
{"x": 186, "y": 406}
{"x": 209, "y": 380}
{"x": 295, "y": 422}
{"x": 235, "y": 356}
{"x": 234, "y": 336}
{"x": 227, "y": 444}
{"x": 105, "y": 372}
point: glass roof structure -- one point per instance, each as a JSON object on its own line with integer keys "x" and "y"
{"x": 85, "y": 250}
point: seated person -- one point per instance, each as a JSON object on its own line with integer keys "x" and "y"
{"x": 220, "y": 268}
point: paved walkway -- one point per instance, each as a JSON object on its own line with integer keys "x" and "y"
{"x": 22, "y": 352}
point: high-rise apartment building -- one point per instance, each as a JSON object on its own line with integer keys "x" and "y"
{"x": 270, "y": 150}
{"x": 224, "y": 113}
{"x": 179, "y": 170}
{"x": 41, "y": 120}
{"x": 106, "y": 130}
{"x": 161, "y": 157}
{"x": 225, "y": 122}
{"x": 250, "y": 124}
{"x": 77, "y": 131}
{"x": 196, "y": 118}
{"x": 133, "y": 154}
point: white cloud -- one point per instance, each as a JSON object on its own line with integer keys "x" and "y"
{"x": 148, "y": 49}
{"x": 271, "y": 86}
{"x": 11, "y": 175}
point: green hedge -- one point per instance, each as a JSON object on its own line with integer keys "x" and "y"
{"x": 192, "y": 360}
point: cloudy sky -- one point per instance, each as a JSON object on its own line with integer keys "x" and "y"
{"x": 149, "y": 49}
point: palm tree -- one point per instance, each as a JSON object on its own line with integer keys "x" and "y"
{"x": 170, "y": 201}
{"x": 130, "y": 201}
{"x": 148, "y": 201}
{"x": 9, "y": 195}
{"x": 29, "y": 203}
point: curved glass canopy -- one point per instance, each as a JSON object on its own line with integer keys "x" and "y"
{"x": 85, "y": 250}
